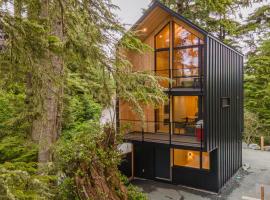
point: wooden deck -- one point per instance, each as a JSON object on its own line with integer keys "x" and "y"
{"x": 163, "y": 138}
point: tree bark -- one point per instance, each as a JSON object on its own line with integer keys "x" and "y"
{"x": 47, "y": 125}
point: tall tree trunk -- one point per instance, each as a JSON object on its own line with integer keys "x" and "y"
{"x": 47, "y": 125}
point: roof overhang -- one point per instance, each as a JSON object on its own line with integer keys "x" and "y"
{"x": 155, "y": 15}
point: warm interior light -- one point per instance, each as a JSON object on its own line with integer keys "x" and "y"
{"x": 144, "y": 29}
{"x": 160, "y": 36}
{"x": 190, "y": 156}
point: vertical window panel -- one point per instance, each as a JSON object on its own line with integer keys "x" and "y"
{"x": 186, "y": 68}
{"x": 185, "y": 107}
{"x": 183, "y": 37}
{"x": 162, "y": 66}
{"x": 162, "y": 119}
{"x": 163, "y": 38}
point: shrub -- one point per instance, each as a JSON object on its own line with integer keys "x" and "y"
{"x": 17, "y": 149}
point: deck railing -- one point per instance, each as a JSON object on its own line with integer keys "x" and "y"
{"x": 182, "y": 132}
{"x": 181, "y": 78}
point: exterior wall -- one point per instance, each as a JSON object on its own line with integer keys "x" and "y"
{"x": 198, "y": 178}
{"x": 147, "y": 154}
{"x": 224, "y": 125}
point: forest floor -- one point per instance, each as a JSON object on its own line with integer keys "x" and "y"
{"x": 244, "y": 185}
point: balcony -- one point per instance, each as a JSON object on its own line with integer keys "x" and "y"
{"x": 185, "y": 132}
{"x": 186, "y": 78}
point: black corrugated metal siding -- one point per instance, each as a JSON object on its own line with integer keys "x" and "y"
{"x": 224, "y": 70}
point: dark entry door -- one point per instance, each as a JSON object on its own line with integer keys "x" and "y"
{"x": 144, "y": 160}
{"x": 162, "y": 162}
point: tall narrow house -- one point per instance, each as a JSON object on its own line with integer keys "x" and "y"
{"x": 195, "y": 138}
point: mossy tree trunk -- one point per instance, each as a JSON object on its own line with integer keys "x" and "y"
{"x": 47, "y": 124}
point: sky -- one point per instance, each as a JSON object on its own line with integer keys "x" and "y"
{"x": 131, "y": 10}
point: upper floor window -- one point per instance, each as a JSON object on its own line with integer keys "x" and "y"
{"x": 183, "y": 37}
{"x": 163, "y": 38}
{"x": 162, "y": 55}
{"x": 183, "y": 66}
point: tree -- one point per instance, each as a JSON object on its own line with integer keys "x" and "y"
{"x": 257, "y": 87}
{"x": 252, "y": 126}
{"x": 217, "y": 17}
{"x": 64, "y": 57}
{"x": 256, "y": 28}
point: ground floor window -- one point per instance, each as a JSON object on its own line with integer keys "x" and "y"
{"x": 193, "y": 159}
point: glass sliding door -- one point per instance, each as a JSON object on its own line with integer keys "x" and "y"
{"x": 185, "y": 114}
{"x": 162, "y": 119}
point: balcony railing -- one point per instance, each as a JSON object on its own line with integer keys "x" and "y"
{"x": 183, "y": 132}
{"x": 181, "y": 78}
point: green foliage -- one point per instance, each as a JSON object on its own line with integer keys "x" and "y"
{"x": 257, "y": 87}
{"x": 133, "y": 192}
{"x": 66, "y": 190}
{"x": 19, "y": 184}
{"x": 215, "y": 16}
{"x": 17, "y": 149}
{"x": 29, "y": 167}
{"x": 257, "y": 26}
{"x": 12, "y": 112}
{"x": 252, "y": 127}
{"x": 79, "y": 111}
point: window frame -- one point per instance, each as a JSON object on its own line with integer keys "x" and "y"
{"x": 162, "y": 50}
{"x": 200, "y": 54}
{"x": 194, "y": 168}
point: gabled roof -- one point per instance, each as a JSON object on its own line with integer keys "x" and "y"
{"x": 164, "y": 10}
{"x": 155, "y": 3}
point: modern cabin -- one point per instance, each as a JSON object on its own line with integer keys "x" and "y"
{"x": 195, "y": 139}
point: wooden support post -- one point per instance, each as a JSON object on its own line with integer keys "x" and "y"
{"x": 262, "y": 192}
{"x": 262, "y": 143}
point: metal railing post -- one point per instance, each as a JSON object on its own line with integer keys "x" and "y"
{"x": 142, "y": 135}
{"x": 170, "y": 132}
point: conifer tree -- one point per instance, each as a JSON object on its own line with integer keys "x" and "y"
{"x": 216, "y": 16}
{"x": 63, "y": 58}
{"x": 257, "y": 88}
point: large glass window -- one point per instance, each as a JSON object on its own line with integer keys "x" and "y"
{"x": 186, "y": 56}
{"x": 185, "y": 114}
{"x": 183, "y": 37}
{"x": 163, "y": 66}
{"x": 185, "y": 67}
{"x": 162, "y": 115}
{"x": 185, "y": 107}
{"x": 187, "y": 158}
{"x": 163, "y": 38}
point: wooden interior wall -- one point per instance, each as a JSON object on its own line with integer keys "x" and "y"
{"x": 128, "y": 115}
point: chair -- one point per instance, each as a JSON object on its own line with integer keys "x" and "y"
{"x": 180, "y": 126}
